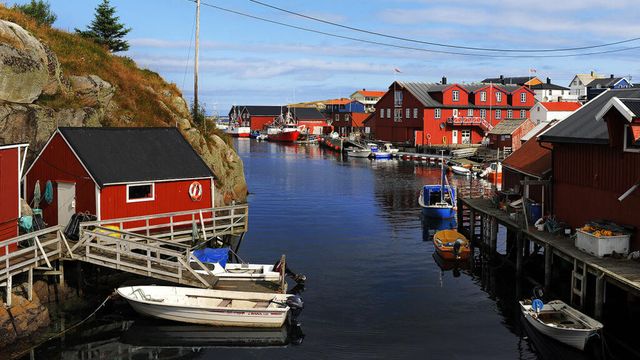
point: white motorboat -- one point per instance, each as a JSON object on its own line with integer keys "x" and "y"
{"x": 211, "y": 307}
{"x": 358, "y": 153}
{"x": 460, "y": 170}
{"x": 561, "y": 322}
{"x": 377, "y": 153}
{"x": 241, "y": 272}
{"x": 390, "y": 149}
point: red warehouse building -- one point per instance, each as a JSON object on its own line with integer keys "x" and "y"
{"x": 12, "y": 159}
{"x": 596, "y": 162}
{"x": 120, "y": 172}
{"x": 508, "y": 133}
{"x": 257, "y": 117}
{"x": 310, "y": 119}
{"x": 442, "y": 114}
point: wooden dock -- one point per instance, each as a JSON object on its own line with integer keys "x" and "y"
{"x": 623, "y": 273}
{"x": 157, "y": 246}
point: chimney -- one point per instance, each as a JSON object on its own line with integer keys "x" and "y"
{"x": 612, "y": 76}
{"x": 501, "y": 77}
{"x": 548, "y": 81}
{"x": 593, "y": 73}
{"x": 444, "y": 80}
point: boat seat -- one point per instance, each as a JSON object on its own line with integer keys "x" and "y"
{"x": 224, "y": 303}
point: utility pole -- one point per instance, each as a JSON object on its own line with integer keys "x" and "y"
{"x": 195, "y": 75}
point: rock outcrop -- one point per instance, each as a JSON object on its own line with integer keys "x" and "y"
{"x": 22, "y": 319}
{"x": 36, "y": 98}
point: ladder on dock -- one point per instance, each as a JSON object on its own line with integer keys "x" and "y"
{"x": 578, "y": 282}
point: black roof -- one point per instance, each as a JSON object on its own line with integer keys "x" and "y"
{"x": 123, "y": 155}
{"x": 304, "y": 113}
{"x": 513, "y": 80}
{"x": 260, "y": 110}
{"x": 633, "y": 105}
{"x": 582, "y": 126}
{"x": 547, "y": 86}
{"x": 604, "y": 82}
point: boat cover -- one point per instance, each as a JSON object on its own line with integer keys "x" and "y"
{"x": 211, "y": 255}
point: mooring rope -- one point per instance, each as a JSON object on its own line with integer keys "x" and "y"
{"x": 68, "y": 329}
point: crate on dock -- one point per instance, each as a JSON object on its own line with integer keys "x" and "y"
{"x": 602, "y": 245}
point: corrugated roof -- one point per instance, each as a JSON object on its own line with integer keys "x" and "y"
{"x": 359, "y": 118}
{"x": 561, "y": 105}
{"x": 506, "y": 127}
{"x": 633, "y": 105}
{"x": 582, "y": 126}
{"x": 604, "y": 82}
{"x": 124, "y": 155}
{"x": 306, "y": 114}
{"x": 547, "y": 86}
{"x": 515, "y": 80}
{"x": 530, "y": 159}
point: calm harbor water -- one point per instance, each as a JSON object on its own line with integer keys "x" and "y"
{"x": 374, "y": 288}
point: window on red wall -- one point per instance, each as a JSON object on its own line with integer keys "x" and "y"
{"x": 523, "y": 97}
{"x": 455, "y": 95}
{"x": 415, "y": 113}
{"x": 140, "y": 192}
{"x": 483, "y": 96}
{"x": 523, "y": 114}
{"x": 498, "y": 96}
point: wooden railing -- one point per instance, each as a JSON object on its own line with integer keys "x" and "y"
{"x": 211, "y": 222}
{"x": 142, "y": 255}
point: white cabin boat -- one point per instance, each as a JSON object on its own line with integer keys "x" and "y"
{"x": 209, "y": 307}
{"x": 561, "y": 322}
{"x": 460, "y": 170}
{"x": 390, "y": 149}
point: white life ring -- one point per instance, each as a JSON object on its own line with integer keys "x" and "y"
{"x": 195, "y": 191}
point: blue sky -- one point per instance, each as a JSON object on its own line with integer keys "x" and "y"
{"x": 244, "y": 61}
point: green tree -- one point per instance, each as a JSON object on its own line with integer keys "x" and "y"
{"x": 39, "y": 10}
{"x": 106, "y": 29}
{"x": 199, "y": 114}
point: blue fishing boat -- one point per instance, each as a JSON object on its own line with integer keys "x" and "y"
{"x": 376, "y": 153}
{"x": 438, "y": 201}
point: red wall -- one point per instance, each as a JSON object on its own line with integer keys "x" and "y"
{"x": 447, "y": 96}
{"x": 259, "y": 122}
{"x": 58, "y": 163}
{"x": 170, "y": 196}
{"x": 588, "y": 179}
{"x": 9, "y": 192}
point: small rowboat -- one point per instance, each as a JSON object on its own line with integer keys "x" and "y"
{"x": 451, "y": 245}
{"x": 460, "y": 170}
{"x": 211, "y": 307}
{"x": 358, "y": 153}
{"x": 561, "y": 322}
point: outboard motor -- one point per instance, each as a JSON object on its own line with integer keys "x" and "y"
{"x": 538, "y": 292}
{"x": 298, "y": 278}
{"x": 456, "y": 247}
{"x": 296, "y": 304}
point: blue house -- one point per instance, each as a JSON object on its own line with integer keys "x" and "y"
{"x": 597, "y": 86}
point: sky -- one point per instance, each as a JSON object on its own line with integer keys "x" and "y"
{"x": 251, "y": 62}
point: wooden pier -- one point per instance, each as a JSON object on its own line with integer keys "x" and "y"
{"x": 157, "y": 246}
{"x": 479, "y": 217}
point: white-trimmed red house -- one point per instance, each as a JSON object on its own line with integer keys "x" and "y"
{"x": 120, "y": 172}
{"x": 12, "y": 158}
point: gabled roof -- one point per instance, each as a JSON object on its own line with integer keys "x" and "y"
{"x": 507, "y": 126}
{"x": 531, "y": 158}
{"x": 548, "y": 86}
{"x": 306, "y": 114}
{"x": 359, "y": 118}
{"x": 127, "y": 155}
{"x": 605, "y": 82}
{"x": 513, "y": 80}
{"x": 582, "y": 126}
{"x": 561, "y": 105}
{"x": 629, "y": 108}
{"x": 586, "y": 78}
{"x": 341, "y": 101}
{"x": 421, "y": 92}
{"x": 371, "y": 93}
{"x": 261, "y": 110}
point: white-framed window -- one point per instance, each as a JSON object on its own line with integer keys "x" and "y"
{"x": 483, "y": 113}
{"x": 498, "y": 114}
{"x": 381, "y": 113}
{"x": 523, "y": 114}
{"x": 397, "y": 98}
{"x": 437, "y": 113}
{"x": 466, "y": 136}
{"x": 141, "y": 192}
{"x": 347, "y": 117}
{"x": 407, "y": 113}
{"x": 509, "y": 114}
{"x": 337, "y": 117}
{"x": 523, "y": 97}
{"x": 415, "y": 113}
{"x": 388, "y": 113}
{"x": 483, "y": 96}
{"x": 470, "y": 112}
{"x": 455, "y": 95}
{"x": 397, "y": 115}
{"x": 455, "y": 112}
{"x": 498, "y": 96}
{"x": 631, "y": 143}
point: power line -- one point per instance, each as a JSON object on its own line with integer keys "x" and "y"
{"x": 410, "y": 47}
{"x": 435, "y": 43}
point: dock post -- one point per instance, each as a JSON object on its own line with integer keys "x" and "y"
{"x": 30, "y": 282}
{"x": 472, "y": 223}
{"x": 61, "y": 270}
{"x": 459, "y": 214}
{"x": 493, "y": 236}
{"x": 548, "y": 258}
{"x": 599, "y": 304}
{"x": 9, "y": 286}
{"x": 519, "y": 245}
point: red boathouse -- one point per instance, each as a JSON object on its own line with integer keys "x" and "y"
{"x": 12, "y": 159}
{"x": 120, "y": 172}
{"x": 596, "y": 162}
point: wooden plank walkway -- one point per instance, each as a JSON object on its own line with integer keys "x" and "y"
{"x": 622, "y": 271}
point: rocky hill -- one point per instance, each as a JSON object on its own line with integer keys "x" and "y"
{"x": 51, "y": 78}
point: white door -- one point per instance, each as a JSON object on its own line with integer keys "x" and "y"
{"x": 66, "y": 202}
{"x": 454, "y": 136}
{"x": 455, "y": 113}
{"x": 466, "y": 136}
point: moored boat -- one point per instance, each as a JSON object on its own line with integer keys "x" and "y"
{"x": 438, "y": 201}
{"x": 358, "y": 153}
{"x": 239, "y": 131}
{"x": 460, "y": 170}
{"x": 211, "y": 307}
{"x": 376, "y": 153}
{"x": 493, "y": 172}
{"x": 561, "y": 322}
{"x": 283, "y": 129}
{"x": 451, "y": 245}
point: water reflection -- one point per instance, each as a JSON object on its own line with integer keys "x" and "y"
{"x": 430, "y": 226}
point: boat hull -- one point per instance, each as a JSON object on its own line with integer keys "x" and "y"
{"x": 359, "y": 154}
{"x": 447, "y": 252}
{"x": 438, "y": 212}
{"x": 459, "y": 170}
{"x": 285, "y": 136}
{"x": 242, "y": 132}
{"x": 576, "y": 338}
{"x": 162, "y": 307}
{"x": 381, "y": 155}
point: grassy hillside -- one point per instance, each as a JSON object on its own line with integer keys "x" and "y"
{"x": 79, "y": 56}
